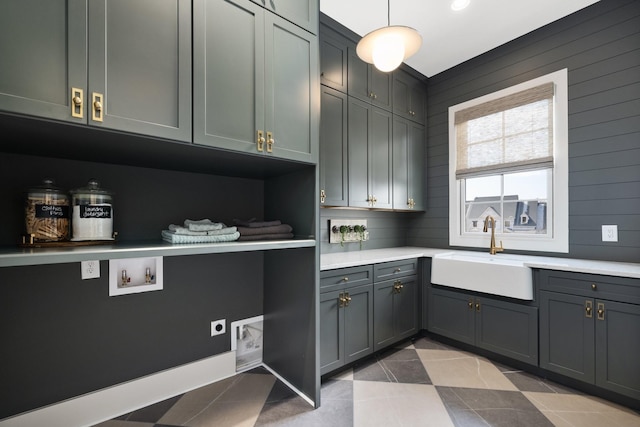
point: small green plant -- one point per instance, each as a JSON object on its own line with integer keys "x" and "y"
{"x": 343, "y": 231}
{"x": 360, "y": 229}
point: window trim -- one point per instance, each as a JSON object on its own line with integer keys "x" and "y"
{"x": 558, "y": 240}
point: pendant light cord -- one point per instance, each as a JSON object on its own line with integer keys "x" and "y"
{"x": 388, "y": 13}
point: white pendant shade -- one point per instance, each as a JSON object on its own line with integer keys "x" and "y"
{"x": 388, "y": 47}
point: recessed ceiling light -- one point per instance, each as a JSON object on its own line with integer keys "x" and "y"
{"x": 459, "y": 4}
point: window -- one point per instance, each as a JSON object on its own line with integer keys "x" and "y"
{"x": 508, "y": 160}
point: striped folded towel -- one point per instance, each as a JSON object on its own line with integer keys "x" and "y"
{"x": 203, "y": 225}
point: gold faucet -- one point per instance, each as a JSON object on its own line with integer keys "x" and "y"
{"x": 493, "y": 249}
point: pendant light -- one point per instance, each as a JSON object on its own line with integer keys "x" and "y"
{"x": 386, "y": 48}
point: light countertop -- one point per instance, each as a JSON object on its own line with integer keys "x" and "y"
{"x": 375, "y": 256}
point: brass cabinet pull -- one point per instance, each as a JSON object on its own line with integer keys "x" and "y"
{"x": 397, "y": 287}
{"x": 341, "y": 300}
{"x": 97, "y": 102}
{"x": 347, "y": 299}
{"x": 345, "y": 279}
{"x": 270, "y": 142}
{"x": 600, "y": 311}
{"x": 593, "y": 286}
{"x": 477, "y": 306}
{"x": 77, "y": 96}
{"x": 397, "y": 270}
{"x": 470, "y": 303}
{"x": 588, "y": 308}
{"x": 260, "y": 141}
{"x": 323, "y": 196}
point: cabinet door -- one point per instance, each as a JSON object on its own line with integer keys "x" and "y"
{"x": 140, "y": 67}
{"x": 358, "y": 158}
{"x": 43, "y": 46}
{"x": 333, "y": 59}
{"x": 303, "y": 13}
{"x": 333, "y": 148}
{"x": 368, "y": 83}
{"x": 331, "y": 332}
{"x": 408, "y": 165}
{"x": 618, "y": 347}
{"x": 370, "y": 156}
{"x": 406, "y": 308}
{"x": 358, "y": 323}
{"x": 508, "y": 329}
{"x": 380, "y": 158}
{"x": 567, "y": 335}
{"x": 228, "y": 72}
{"x": 396, "y": 310}
{"x": 292, "y": 90}
{"x": 409, "y": 96}
{"x": 384, "y": 333}
{"x": 451, "y": 314}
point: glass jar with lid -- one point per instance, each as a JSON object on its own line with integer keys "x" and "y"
{"x": 91, "y": 213}
{"x": 47, "y": 213}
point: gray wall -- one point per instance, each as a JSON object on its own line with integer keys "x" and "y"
{"x": 600, "y": 46}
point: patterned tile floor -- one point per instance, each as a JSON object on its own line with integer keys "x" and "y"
{"x": 418, "y": 383}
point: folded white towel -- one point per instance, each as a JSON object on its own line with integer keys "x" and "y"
{"x": 170, "y": 237}
{"x": 203, "y": 225}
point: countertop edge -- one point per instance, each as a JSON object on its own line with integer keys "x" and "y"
{"x": 374, "y": 256}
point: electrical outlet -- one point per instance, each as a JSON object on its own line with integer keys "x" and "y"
{"x": 218, "y": 327}
{"x": 609, "y": 233}
{"x": 90, "y": 269}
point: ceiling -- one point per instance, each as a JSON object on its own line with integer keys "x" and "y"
{"x": 448, "y": 37}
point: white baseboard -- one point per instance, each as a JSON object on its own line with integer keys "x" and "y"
{"x": 103, "y": 405}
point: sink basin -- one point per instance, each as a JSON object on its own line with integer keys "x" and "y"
{"x": 499, "y": 274}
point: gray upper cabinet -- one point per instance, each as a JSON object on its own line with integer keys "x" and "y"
{"x": 122, "y": 68}
{"x": 256, "y": 83}
{"x": 140, "y": 67}
{"x": 333, "y": 148}
{"x": 333, "y": 59}
{"x": 409, "y": 96}
{"x": 301, "y": 12}
{"x": 409, "y": 161}
{"x": 368, "y": 83}
{"x": 369, "y": 156}
{"x": 44, "y": 55}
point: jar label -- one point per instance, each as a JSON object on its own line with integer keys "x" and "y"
{"x": 52, "y": 211}
{"x": 95, "y": 211}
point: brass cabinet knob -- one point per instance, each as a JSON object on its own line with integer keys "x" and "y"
{"x": 593, "y": 286}
{"x": 260, "y": 141}
{"x": 323, "y": 196}
{"x": 345, "y": 279}
{"x": 470, "y": 304}
{"x": 270, "y": 142}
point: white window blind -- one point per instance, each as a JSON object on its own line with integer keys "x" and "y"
{"x": 512, "y": 133}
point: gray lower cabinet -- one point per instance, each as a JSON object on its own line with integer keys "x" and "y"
{"x": 396, "y": 302}
{"x": 333, "y": 148}
{"x": 369, "y": 155}
{"x": 346, "y": 316}
{"x": 256, "y": 82}
{"x": 105, "y": 63}
{"x": 409, "y": 158}
{"x": 590, "y": 329}
{"x": 500, "y": 326}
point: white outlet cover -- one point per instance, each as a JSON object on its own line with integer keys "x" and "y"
{"x": 218, "y": 327}
{"x": 609, "y": 233}
{"x": 90, "y": 269}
